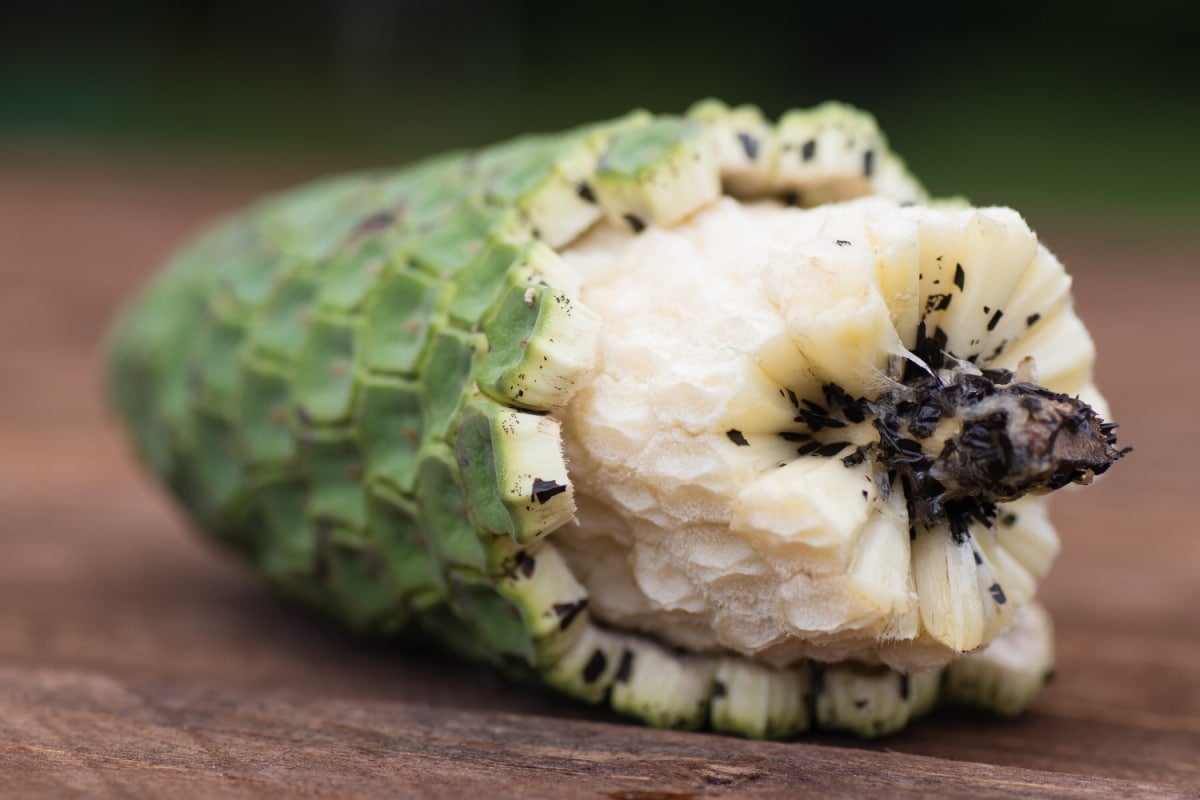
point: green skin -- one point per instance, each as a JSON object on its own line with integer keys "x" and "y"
{"x": 320, "y": 381}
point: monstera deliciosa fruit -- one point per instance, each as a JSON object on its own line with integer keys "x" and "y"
{"x": 718, "y": 421}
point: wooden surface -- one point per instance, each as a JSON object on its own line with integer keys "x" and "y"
{"x": 135, "y": 661}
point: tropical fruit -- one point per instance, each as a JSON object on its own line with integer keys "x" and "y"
{"x": 718, "y": 421}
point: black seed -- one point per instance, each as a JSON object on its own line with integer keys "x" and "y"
{"x": 997, "y": 594}
{"x": 594, "y": 667}
{"x": 526, "y": 564}
{"x": 1008, "y": 520}
{"x": 905, "y": 688}
{"x": 625, "y": 668}
{"x": 544, "y": 490}
{"x": 995, "y": 319}
{"x": 791, "y": 198}
{"x": 1032, "y": 319}
{"x": 635, "y": 222}
{"x": 567, "y": 612}
{"x": 749, "y": 144}
{"x": 842, "y": 243}
{"x": 584, "y": 190}
{"x": 832, "y": 449}
{"x": 795, "y": 436}
{"x": 718, "y": 689}
{"x": 809, "y": 150}
{"x": 960, "y": 277}
{"x": 792, "y": 399}
{"x": 866, "y": 495}
{"x": 868, "y": 163}
{"x": 737, "y": 438}
{"x": 938, "y": 302}
{"x": 806, "y": 449}
{"x": 978, "y": 558}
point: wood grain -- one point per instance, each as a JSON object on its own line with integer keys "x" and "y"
{"x": 137, "y": 661}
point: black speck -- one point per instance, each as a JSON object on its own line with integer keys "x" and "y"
{"x": 635, "y": 222}
{"x": 749, "y": 144}
{"x": 960, "y": 277}
{"x": 1032, "y": 319}
{"x": 868, "y": 163}
{"x": 809, "y": 150}
{"x": 938, "y": 301}
{"x": 905, "y": 687}
{"x": 1008, "y": 520}
{"x": 625, "y": 668}
{"x": 997, "y": 594}
{"x": 567, "y": 612}
{"x": 737, "y": 437}
{"x": 842, "y": 243}
{"x": 526, "y": 564}
{"x": 594, "y": 667}
{"x": 791, "y": 198}
{"x": 832, "y": 449}
{"x": 978, "y": 558}
{"x": 544, "y": 490}
{"x": 860, "y": 703}
{"x": 718, "y": 689}
{"x": 584, "y": 190}
{"x": 995, "y": 319}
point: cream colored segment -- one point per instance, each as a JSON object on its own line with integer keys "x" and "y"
{"x": 810, "y": 512}
{"x": 558, "y": 213}
{"x": 1030, "y": 537}
{"x": 897, "y": 244}
{"x": 997, "y": 250}
{"x": 1016, "y": 583}
{"x": 879, "y": 579}
{"x": 745, "y": 144}
{"x": 1043, "y": 293}
{"x": 835, "y": 313}
{"x": 951, "y": 606}
{"x": 1062, "y": 350}
{"x": 822, "y": 151}
{"x": 941, "y": 237}
{"x": 1009, "y": 673}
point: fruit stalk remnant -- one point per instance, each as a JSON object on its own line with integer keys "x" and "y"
{"x": 959, "y": 439}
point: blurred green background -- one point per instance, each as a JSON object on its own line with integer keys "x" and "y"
{"x": 1086, "y": 111}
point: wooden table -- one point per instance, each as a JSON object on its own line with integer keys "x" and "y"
{"x": 135, "y": 661}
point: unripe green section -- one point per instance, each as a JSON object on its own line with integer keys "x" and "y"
{"x": 397, "y": 323}
{"x": 323, "y": 381}
{"x": 658, "y": 173}
{"x": 514, "y": 474}
{"x": 543, "y": 345}
{"x": 392, "y": 428}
